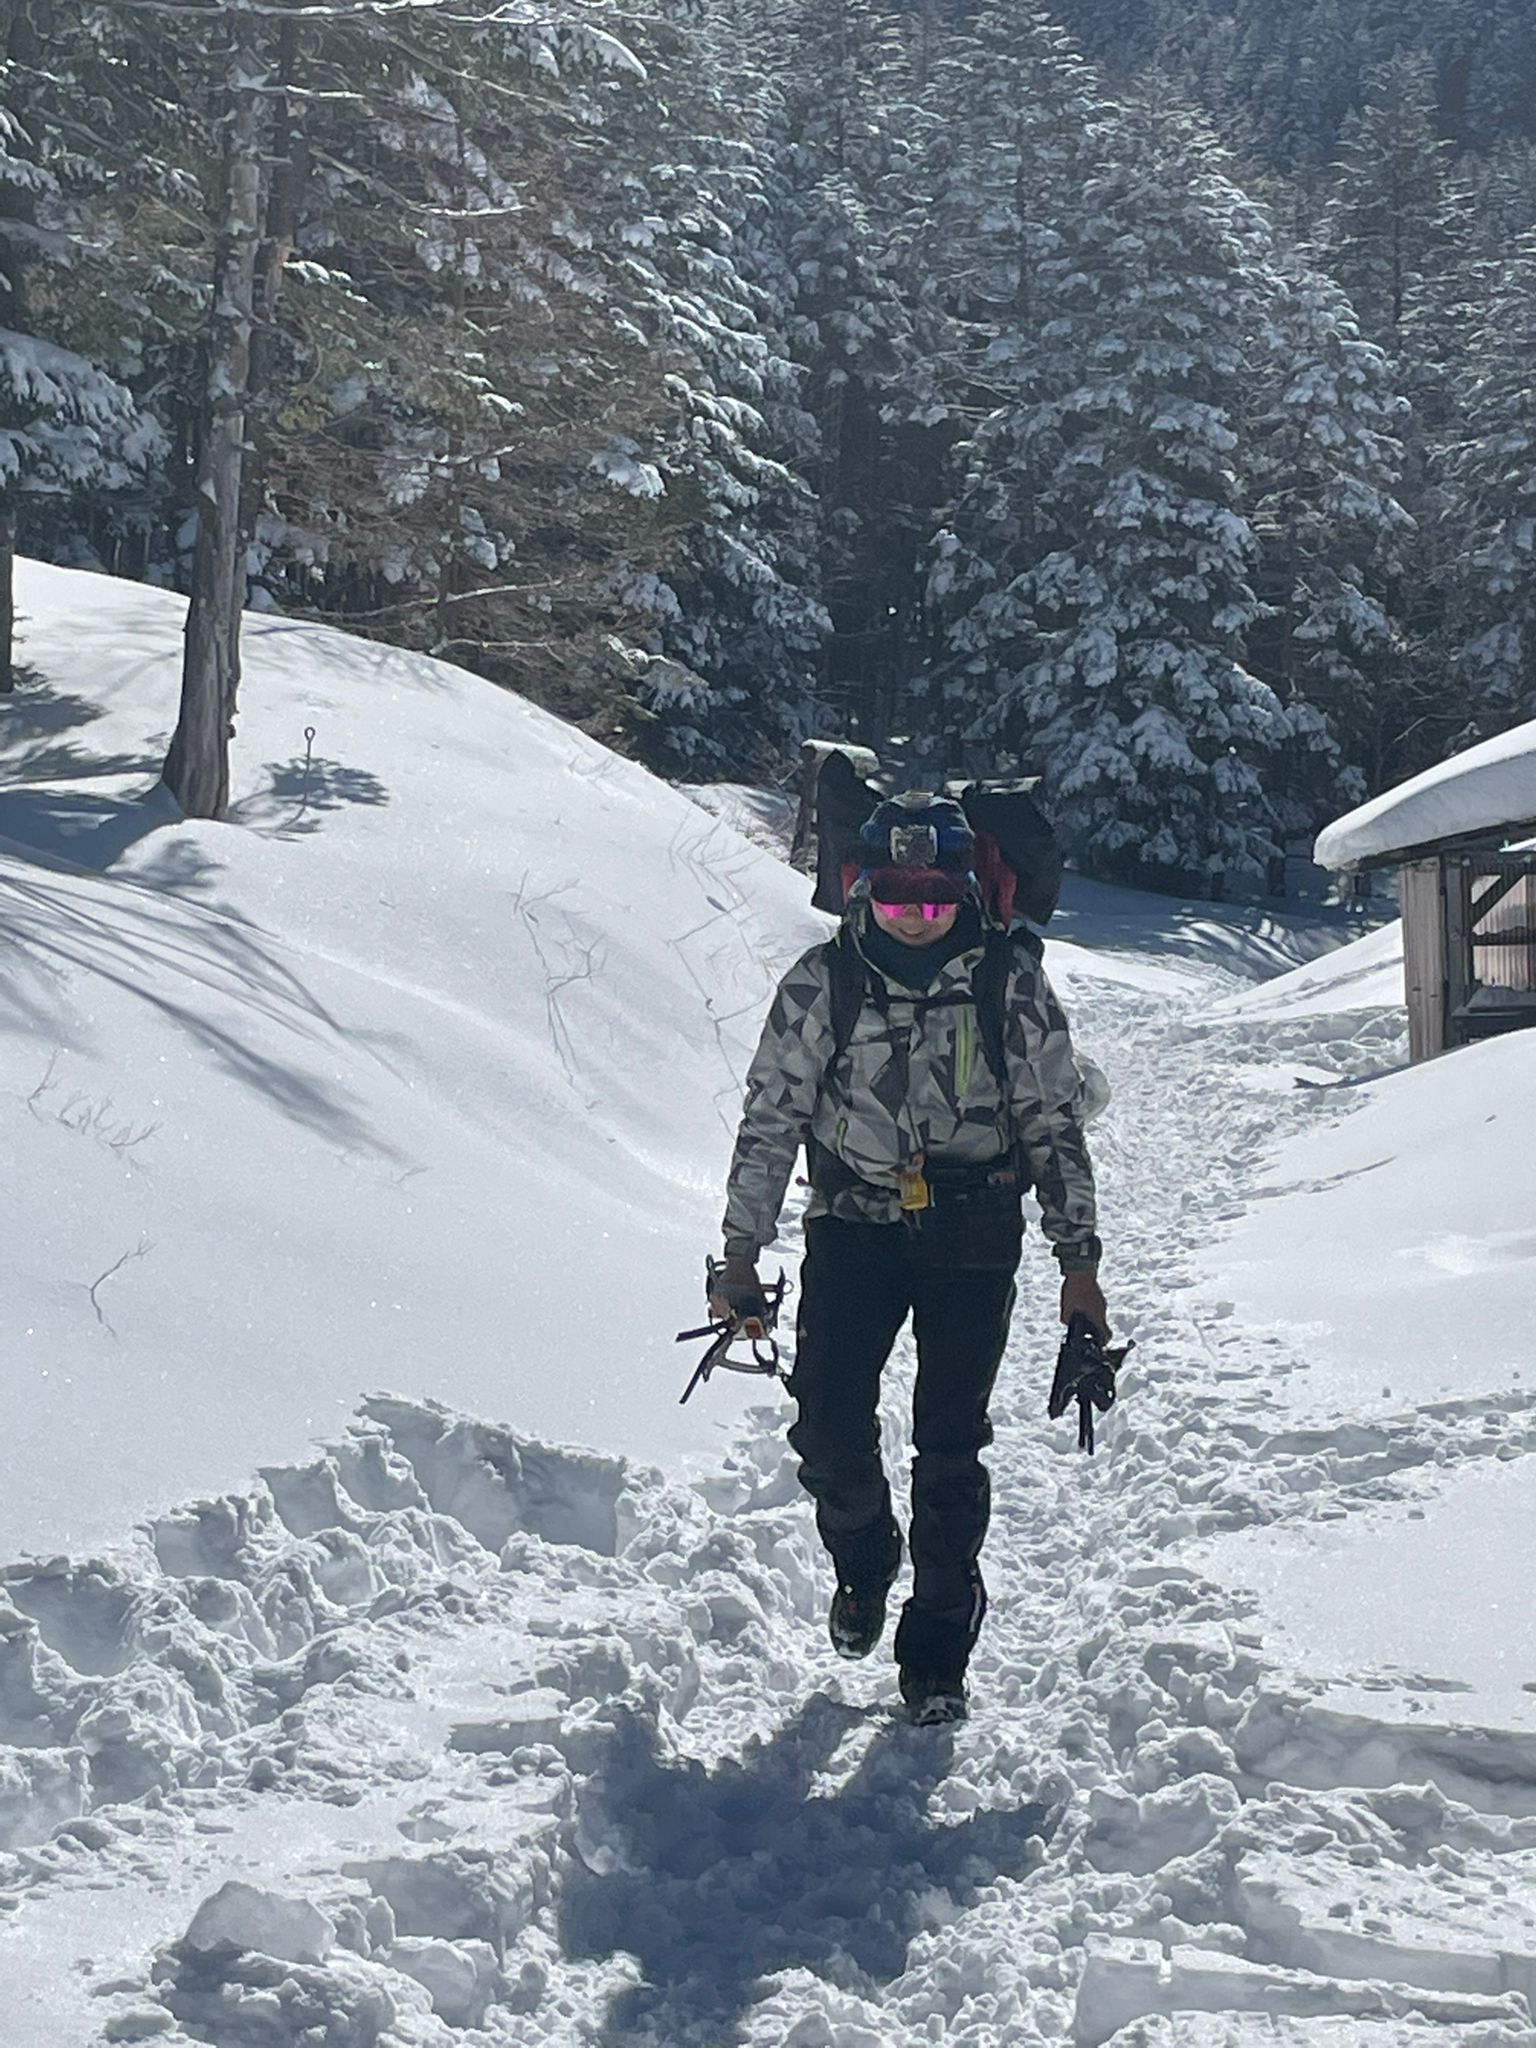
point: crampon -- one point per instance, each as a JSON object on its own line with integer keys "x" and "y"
{"x": 763, "y": 1357}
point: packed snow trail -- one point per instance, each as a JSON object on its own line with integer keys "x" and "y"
{"x": 447, "y": 1737}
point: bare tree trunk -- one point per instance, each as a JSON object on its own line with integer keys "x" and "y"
{"x": 7, "y": 597}
{"x": 289, "y": 157}
{"x": 17, "y": 203}
{"x": 448, "y": 580}
{"x": 197, "y": 766}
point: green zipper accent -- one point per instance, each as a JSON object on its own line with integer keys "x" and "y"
{"x": 965, "y": 1051}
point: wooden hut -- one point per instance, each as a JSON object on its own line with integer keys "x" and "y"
{"x": 1462, "y": 837}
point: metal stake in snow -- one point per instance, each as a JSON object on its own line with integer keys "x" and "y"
{"x": 309, "y": 762}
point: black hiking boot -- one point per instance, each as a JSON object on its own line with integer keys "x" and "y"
{"x": 933, "y": 1648}
{"x": 857, "y": 1619}
{"x": 934, "y": 1699}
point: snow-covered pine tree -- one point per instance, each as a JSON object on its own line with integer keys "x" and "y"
{"x": 1378, "y": 119}
{"x": 1397, "y": 232}
{"x": 464, "y": 357}
{"x": 1323, "y": 458}
{"x": 1484, "y": 56}
{"x": 1018, "y": 133}
{"x": 1492, "y": 473}
{"x": 66, "y": 424}
{"x": 724, "y": 628}
{"x": 1286, "y": 78}
{"x": 1120, "y": 36}
{"x": 1113, "y": 661}
{"x": 1390, "y": 219}
{"x": 1502, "y": 188}
{"x": 846, "y": 141}
{"x": 116, "y": 100}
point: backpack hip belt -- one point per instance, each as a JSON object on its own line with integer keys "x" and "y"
{"x": 955, "y": 1188}
{"x": 984, "y": 1187}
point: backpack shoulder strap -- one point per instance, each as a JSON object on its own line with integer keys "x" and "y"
{"x": 989, "y": 989}
{"x": 845, "y": 985}
{"x": 849, "y": 985}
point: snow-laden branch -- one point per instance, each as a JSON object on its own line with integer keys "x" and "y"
{"x": 72, "y": 423}
{"x": 587, "y": 43}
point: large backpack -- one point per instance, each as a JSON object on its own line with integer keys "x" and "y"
{"x": 1018, "y": 860}
{"x": 1018, "y": 868}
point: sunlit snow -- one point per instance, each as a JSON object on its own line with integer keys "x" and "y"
{"x": 388, "y": 1661}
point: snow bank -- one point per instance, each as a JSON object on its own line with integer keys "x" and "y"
{"x": 421, "y": 1073}
{"x": 1390, "y": 1264}
{"x": 1489, "y": 786}
{"x": 1399, "y": 1602}
{"x": 1394, "y": 1250}
{"x": 1366, "y": 974}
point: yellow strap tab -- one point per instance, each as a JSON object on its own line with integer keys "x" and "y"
{"x": 914, "y": 1189}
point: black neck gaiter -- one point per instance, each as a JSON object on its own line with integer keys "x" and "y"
{"x": 917, "y": 967}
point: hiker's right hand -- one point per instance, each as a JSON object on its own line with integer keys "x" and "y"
{"x": 736, "y": 1296}
{"x": 1082, "y": 1295}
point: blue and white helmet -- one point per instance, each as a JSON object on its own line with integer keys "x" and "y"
{"x": 917, "y": 848}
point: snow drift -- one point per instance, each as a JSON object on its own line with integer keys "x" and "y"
{"x": 419, "y": 1073}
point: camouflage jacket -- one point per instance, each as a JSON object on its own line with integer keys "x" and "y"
{"x": 913, "y": 1079}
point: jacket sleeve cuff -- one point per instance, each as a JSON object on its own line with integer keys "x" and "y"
{"x": 1080, "y": 1258}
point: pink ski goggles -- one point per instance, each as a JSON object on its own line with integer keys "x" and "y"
{"x": 932, "y": 912}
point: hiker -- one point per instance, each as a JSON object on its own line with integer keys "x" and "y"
{"x": 926, "y": 1119}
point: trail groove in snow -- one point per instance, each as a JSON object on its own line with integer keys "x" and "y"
{"x": 448, "y": 1736}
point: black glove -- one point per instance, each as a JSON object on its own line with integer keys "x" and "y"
{"x": 735, "y": 1293}
{"x": 1085, "y": 1373}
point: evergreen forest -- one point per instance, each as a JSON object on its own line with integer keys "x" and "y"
{"x": 1137, "y": 394}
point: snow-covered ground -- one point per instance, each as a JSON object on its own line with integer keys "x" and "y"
{"x": 1364, "y": 979}
{"x": 360, "y": 1091}
{"x": 388, "y": 1659}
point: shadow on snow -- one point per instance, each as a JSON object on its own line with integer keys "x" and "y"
{"x": 1256, "y": 940}
{"x": 724, "y": 1877}
{"x": 203, "y": 967}
{"x": 212, "y": 975}
{"x": 302, "y": 791}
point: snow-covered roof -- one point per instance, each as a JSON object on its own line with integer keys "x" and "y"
{"x": 1488, "y": 787}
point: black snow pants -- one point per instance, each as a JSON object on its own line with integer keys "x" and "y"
{"x": 858, "y": 1284}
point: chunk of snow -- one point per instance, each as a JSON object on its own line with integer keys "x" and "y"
{"x": 457, "y": 1975}
{"x": 242, "y": 1916}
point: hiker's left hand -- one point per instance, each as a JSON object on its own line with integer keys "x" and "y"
{"x": 1081, "y": 1294}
